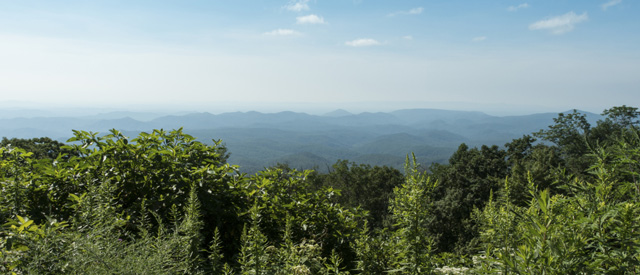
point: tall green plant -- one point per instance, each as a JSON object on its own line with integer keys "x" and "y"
{"x": 411, "y": 209}
{"x": 254, "y": 256}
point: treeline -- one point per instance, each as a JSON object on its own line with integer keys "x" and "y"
{"x": 562, "y": 200}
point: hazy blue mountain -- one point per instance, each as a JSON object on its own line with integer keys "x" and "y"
{"x": 189, "y": 121}
{"x": 123, "y": 124}
{"x": 422, "y": 117}
{"x": 338, "y": 113}
{"x": 257, "y": 140}
{"x": 439, "y": 137}
{"x": 139, "y": 116}
{"x": 365, "y": 119}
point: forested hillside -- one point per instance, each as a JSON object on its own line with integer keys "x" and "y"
{"x": 564, "y": 199}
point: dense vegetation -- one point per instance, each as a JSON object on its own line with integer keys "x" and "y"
{"x": 164, "y": 203}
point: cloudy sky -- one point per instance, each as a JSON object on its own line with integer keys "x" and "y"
{"x": 546, "y": 55}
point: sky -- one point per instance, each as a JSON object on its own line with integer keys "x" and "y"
{"x": 501, "y": 56}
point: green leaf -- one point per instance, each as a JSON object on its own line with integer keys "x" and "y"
{"x": 25, "y": 225}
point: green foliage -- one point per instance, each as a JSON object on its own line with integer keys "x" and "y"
{"x": 364, "y": 186}
{"x": 575, "y": 138}
{"x": 259, "y": 256}
{"x": 26, "y": 246}
{"x": 571, "y": 134}
{"x": 412, "y": 208}
{"x": 216, "y": 258}
{"x": 163, "y": 203}
{"x": 466, "y": 183}
{"x": 624, "y": 116}
{"x": 42, "y": 148}
{"x": 531, "y": 162}
{"x": 593, "y": 230}
{"x": 282, "y": 195}
{"x": 155, "y": 171}
{"x": 253, "y": 252}
{"x": 376, "y": 252}
{"x": 110, "y": 186}
{"x": 14, "y": 166}
{"x": 23, "y": 190}
{"x": 97, "y": 243}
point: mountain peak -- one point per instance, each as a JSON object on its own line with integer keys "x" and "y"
{"x": 338, "y": 113}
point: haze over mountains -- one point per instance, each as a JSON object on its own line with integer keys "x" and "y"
{"x": 257, "y": 140}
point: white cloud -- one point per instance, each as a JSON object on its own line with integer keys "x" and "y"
{"x": 282, "y": 32}
{"x": 611, "y": 3}
{"x": 297, "y": 6}
{"x": 408, "y": 37}
{"x": 479, "y": 38}
{"x": 310, "y": 19}
{"x": 560, "y": 24}
{"x": 515, "y": 8}
{"x": 362, "y": 42}
{"x": 417, "y": 10}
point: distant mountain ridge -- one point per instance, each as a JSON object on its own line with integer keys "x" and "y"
{"x": 338, "y": 113}
{"x": 256, "y": 140}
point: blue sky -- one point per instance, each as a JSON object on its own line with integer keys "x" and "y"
{"x": 310, "y": 55}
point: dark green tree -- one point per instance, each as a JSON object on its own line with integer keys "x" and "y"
{"x": 570, "y": 132}
{"x": 41, "y": 148}
{"x": 576, "y": 139}
{"x": 464, "y": 184}
{"x": 530, "y": 161}
{"x": 365, "y": 186}
{"x": 624, "y": 116}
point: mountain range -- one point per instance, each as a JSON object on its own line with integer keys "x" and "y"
{"x": 257, "y": 140}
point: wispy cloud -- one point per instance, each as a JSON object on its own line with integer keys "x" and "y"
{"x": 611, "y": 3}
{"x": 310, "y": 19}
{"x": 560, "y": 24}
{"x": 282, "y": 32}
{"x": 479, "y": 38}
{"x": 417, "y": 10}
{"x": 297, "y": 5}
{"x": 408, "y": 37}
{"x": 362, "y": 42}
{"x": 518, "y": 7}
